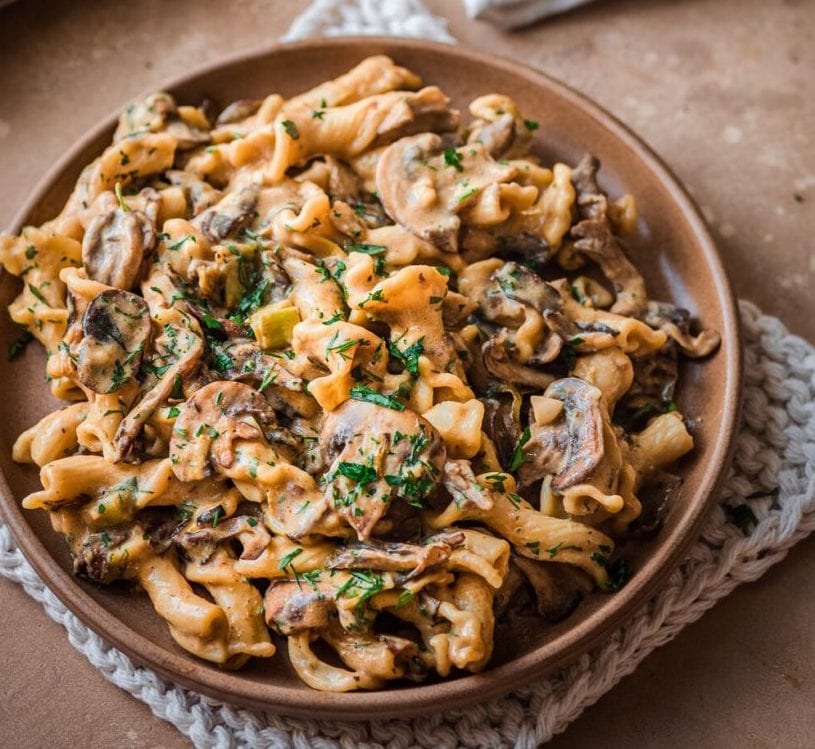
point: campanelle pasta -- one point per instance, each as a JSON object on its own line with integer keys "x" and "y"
{"x": 346, "y": 368}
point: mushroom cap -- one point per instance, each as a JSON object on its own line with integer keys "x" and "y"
{"x": 115, "y": 245}
{"x": 400, "y": 183}
{"x": 116, "y": 328}
{"x": 376, "y": 453}
{"x": 209, "y": 422}
{"x": 572, "y": 446}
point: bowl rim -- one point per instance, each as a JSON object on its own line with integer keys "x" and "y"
{"x": 183, "y": 669}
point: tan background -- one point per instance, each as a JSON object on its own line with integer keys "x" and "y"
{"x": 723, "y": 89}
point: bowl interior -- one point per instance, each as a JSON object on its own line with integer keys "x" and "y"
{"x": 671, "y": 247}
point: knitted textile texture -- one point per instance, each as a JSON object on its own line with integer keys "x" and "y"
{"x": 774, "y": 456}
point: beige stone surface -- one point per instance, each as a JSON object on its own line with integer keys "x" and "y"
{"x": 724, "y": 91}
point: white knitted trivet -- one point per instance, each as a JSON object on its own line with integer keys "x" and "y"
{"x": 775, "y": 449}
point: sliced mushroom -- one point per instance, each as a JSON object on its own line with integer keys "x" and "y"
{"x": 238, "y": 110}
{"x": 423, "y": 187}
{"x": 225, "y": 218}
{"x": 426, "y": 110}
{"x": 500, "y": 365}
{"x": 245, "y": 362}
{"x": 377, "y": 454}
{"x": 462, "y": 484}
{"x": 116, "y": 328}
{"x": 596, "y": 239}
{"x": 159, "y": 113}
{"x": 499, "y": 126}
{"x": 115, "y": 245}
{"x": 572, "y": 446}
{"x": 187, "y": 347}
{"x": 98, "y": 557}
{"x": 558, "y": 588}
{"x": 501, "y": 423}
{"x": 497, "y": 136}
{"x": 675, "y": 321}
{"x": 200, "y": 194}
{"x": 291, "y": 607}
{"x": 202, "y": 542}
{"x": 211, "y": 420}
{"x": 397, "y": 557}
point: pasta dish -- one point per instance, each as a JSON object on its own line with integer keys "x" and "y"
{"x": 348, "y": 374}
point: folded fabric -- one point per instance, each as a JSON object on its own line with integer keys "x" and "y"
{"x": 511, "y": 14}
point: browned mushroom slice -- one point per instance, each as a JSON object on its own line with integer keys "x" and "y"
{"x": 225, "y": 218}
{"x": 187, "y": 346}
{"x": 420, "y": 112}
{"x": 501, "y": 422}
{"x": 146, "y": 115}
{"x": 463, "y": 486}
{"x": 397, "y": 557}
{"x": 596, "y": 239}
{"x": 558, "y": 588}
{"x": 245, "y": 362}
{"x": 497, "y": 136}
{"x": 572, "y": 446}
{"x": 238, "y": 110}
{"x": 159, "y": 113}
{"x": 423, "y": 186}
{"x": 291, "y": 607}
{"x": 115, "y": 245}
{"x": 200, "y": 543}
{"x": 200, "y": 194}
{"x": 501, "y": 366}
{"x": 377, "y": 454}
{"x": 211, "y": 420}
{"x": 98, "y": 557}
{"x": 116, "y": 328}
{"x": 676, "y": 322}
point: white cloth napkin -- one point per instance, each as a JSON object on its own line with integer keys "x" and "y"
{"x": 511, "y": 14}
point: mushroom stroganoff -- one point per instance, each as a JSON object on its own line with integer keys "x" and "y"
{"x": 350, "y": 370}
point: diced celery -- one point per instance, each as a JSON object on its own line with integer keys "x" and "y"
{"x": 273, "y": 325}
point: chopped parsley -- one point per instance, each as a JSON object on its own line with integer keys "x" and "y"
{"x": 531, "y": 125}
{"x": 618, "y": 571}
{"x": 368, "y": 249}
{"x": 377, "y": 295}
{"x": 37, "y": 293}
{"x": 287, "y": 560}
{"x": 180, "y": 243}
{"x": 409, "y": 358}
{"x": 358, "y": 472}
{"x": 120, "y": 376}
{"x": 518, "y": 457}
{"x": 452, "y": 158}
{"x": 18, "y": 346}
{"x": 291, "y": 129}
{"x": 361, "y": 392}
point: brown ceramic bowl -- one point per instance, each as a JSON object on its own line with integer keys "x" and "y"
{"x": 673, "y": 249}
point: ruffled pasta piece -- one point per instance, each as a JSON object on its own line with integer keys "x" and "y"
{"x": 196, "y": 624}
{"x": 346, "y": 131}
{"x": 633, "y": 336}
{"x": 125, "y": 161}
{"x": 240, "y": 601}
{"x": 52, "y": 437}
{"x": 37, "y": 257}
{"x": 532, "y": 533}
